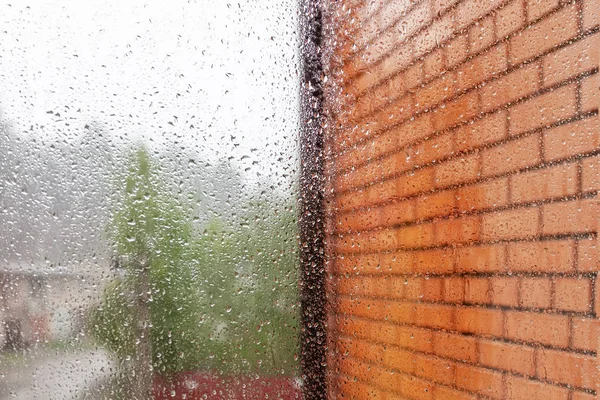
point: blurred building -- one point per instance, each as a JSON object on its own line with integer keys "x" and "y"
{"x": 43, "y": 303}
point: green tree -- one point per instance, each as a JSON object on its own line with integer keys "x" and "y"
{"x": 221, "y": 299}
{"x": 150, "y": 314}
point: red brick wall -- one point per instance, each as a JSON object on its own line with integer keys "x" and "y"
{"x": 462, "y": 165}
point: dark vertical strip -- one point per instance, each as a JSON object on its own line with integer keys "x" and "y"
{"x": 311, "y": 219}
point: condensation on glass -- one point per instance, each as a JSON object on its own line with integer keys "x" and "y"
{"x": 148, "y": 184}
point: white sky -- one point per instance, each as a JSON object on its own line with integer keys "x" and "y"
{"x": 227, "y": 68}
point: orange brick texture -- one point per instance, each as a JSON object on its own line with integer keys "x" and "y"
{"x": 462, "y": 169}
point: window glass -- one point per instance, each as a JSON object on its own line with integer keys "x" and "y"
{"x": 148, "y": 161}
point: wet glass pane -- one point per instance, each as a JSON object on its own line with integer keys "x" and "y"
{"x": 148, "y": 184}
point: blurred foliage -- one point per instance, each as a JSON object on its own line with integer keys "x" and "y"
{"x": 223, "y": 296}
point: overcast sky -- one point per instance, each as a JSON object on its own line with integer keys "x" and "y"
{"x": 218, "y": 76}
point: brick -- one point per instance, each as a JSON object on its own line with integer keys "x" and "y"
{"x": 434, "y": 369}
{"x": 410, "y": 131}
{"x": 510, "y": 224}
{"x": 585, "y": 333}
{"x": 590, "y": 93}
{"x": 347, "y": 286}
{"x": 532, "y": 327}
{"x": 456, "y": 111}
{"x": 375, "y": 194}
{"x": 511, "y": 156}
{"x": 433, "y": 64}
{"x": 458, "y": 170}
{"x": 366, "y": 351}
{"x": 381, "y": 240}
{"x": 484, "y": 195}
{"x": 349, "y": 200}
{"x": 438, "y": 261}
{"x": 481, "y": 259}
{"x": 457, "y": 230}
{"x": 591, "y": 14}
{"x": 587, "y": 255}
{"x": 414, "y": 236}
{"x": 434, "y": 316}
{"x": 457, "y": 50}
{"x": 414, "y": 76}
{"x": 570, "y": 217}
{"x": 365, "y": 105}
{"x": 391, "y": 214}
{"x": 482, "y": 67}
{"x": 562, "y": 367}
{"x": 375, "y": 29}
{"x": 393, "y": 311}
{"x": 455, "y": 347}
{"x": 543, "y": 110}
{"x": 477, "y": 290}
{"x": 414, "y": 182}
{"x": 447, "y": 393}
{"x": 479, "y": 380}
{"x": 394, "y": 61}
{"x": 597, "y": 296}
{"x": 536, "y": 293}
{"x": 571, "y": 61}
{"x": 364, "y": 372}
{"x": 355, "y": 390}
{"x": 481, "y": 34}
{"x": 547, "y": 183}
{"x": 408, "y": 337}
{"x": 510, "y": 18}
{"x": 435, "y": 92}
{"x": 365, "y": 175}
{"x": 572, "y": 139}
{"x": 489, "y": 129}
{"x": 398, "y": 359}
{"x": 348, "y": 222}
{"x": 368, "y": 263}
{"x": 414, "y": 388}
{"x": 440, "y": 6}
{"x": 382, "y": 144}
{"x": 572, "y": 294}
{"x": 582, "y": 396}
{"x": 524, "y": 389}
{"x": 385, "y": 118}
{"x": 438, "y": 32}
{"x": 480, "y": 321}
{"x": 433, "y": 150}
{"x": 396, "y": 213}
{"x": 454, "y": 290}
{"x": 511, "y": 87}
{"x": 549, "y": 32}
{"x": 432, "y": 289}
{"x": 590, "y": 174}
{"x": 504, "y": 291}
{"x": 409, "y": 287}
{"x": 413, "y": 338}
{"x": 364, "y": 153}
{"x": 468, "y": 11}
{"x": 391, "y": 89}
{"x": 537, "y": 8}
{"x": 440, "y": 203}
{"x": 547, "y": 256}
{"x": 508, "y": 357}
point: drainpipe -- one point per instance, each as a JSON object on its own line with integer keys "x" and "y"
{"x": 313, "y": 338}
